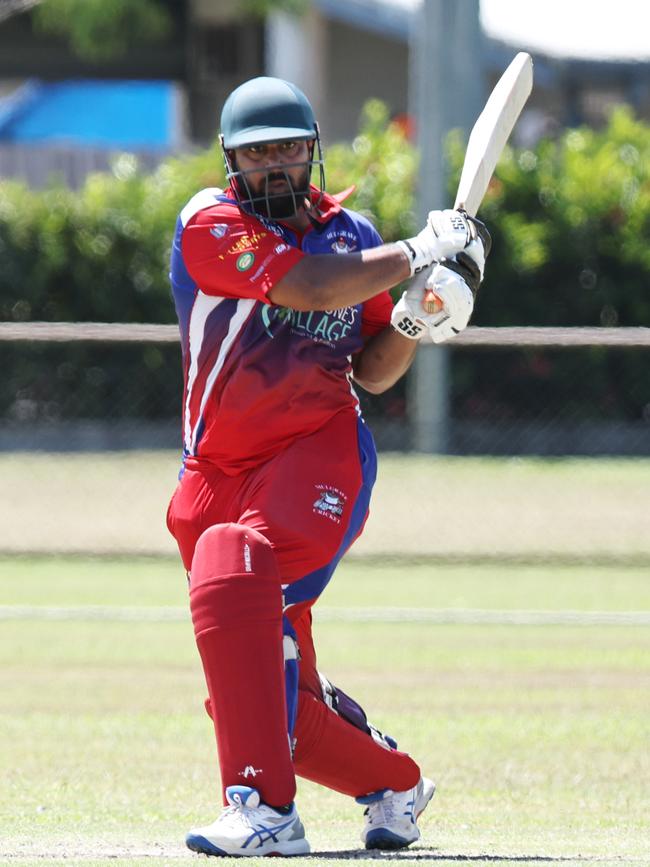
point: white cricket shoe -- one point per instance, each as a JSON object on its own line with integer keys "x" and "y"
{"x": 248, "y": 827}
{"x": 391, "y": 817}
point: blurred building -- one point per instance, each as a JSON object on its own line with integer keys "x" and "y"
{"x": 347, "y": 50}
{"x": 340, "y": 51}
{"x": 69, "y": 128}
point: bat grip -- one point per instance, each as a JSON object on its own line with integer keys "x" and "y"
{"x": 431, "y": 303}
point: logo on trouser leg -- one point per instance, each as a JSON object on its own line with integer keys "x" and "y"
{"x": 249, "y": 771}
{"x": 330, "y": 503}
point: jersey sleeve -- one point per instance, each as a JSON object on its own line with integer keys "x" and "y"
{"x": 228, "y": 255}
{"x": 375, "y": 314}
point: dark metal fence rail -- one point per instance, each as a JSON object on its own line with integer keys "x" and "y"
{"x": 95, "y": 386}
{"x": 90, "y": 446}
{"x": 128, "y": 332}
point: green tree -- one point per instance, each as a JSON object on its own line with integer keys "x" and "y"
{"x": 104, "y": 29}
{"x": 381, "y": 165}
{"x": 570, "y": 220}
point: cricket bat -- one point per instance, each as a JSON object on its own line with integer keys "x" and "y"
{"x": 487, "y": 140}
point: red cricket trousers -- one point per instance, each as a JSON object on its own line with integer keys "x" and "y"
{"x": 260, "y": 547}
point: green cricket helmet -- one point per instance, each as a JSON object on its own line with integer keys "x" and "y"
{"x": 266, "y": 110}
{"x": 261, "y": 111}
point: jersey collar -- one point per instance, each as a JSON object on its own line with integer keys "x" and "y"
{"x": 324, "y": 205}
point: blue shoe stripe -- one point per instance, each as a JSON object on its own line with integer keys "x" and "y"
{"x": 197, "y": 843}
{"x": 271, "y": 834}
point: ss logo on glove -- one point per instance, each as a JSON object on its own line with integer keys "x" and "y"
{"x": 408, "y": 327}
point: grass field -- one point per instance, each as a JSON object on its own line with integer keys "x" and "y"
{"x": 538, "y": 736}
{"x": 443, "y": 507}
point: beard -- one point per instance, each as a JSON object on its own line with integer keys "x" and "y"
{"x": 282, "y": 205}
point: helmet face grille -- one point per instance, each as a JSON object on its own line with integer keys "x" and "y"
{"x": 276, "y": 205}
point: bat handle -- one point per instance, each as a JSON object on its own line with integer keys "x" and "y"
{"x": 431, "y": 303}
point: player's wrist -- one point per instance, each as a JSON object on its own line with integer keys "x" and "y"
{"x": 414, "y": 255}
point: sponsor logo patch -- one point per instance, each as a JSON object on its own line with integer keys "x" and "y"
{"x": 342, "y": 242}
{"x": 249, "y": 771}
{"x": 324, "y": 326}
{"x": 269, "y": 224}
{"x": 243, "y": 244}
{"x": 245, "y": 261}
{"x": 219, "y": 230}
{"x": 341, "y": 246}
{"x": 330, "y": 503}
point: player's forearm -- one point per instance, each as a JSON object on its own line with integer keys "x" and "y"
{"x": 384, "y": 359}
{"x": 325, "y": 282}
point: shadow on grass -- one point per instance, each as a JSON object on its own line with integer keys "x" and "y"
{"x": 411, "y": 855}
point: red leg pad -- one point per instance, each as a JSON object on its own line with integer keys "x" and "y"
{"x": 236, "y": 605}
{"x": 332, "y": 752}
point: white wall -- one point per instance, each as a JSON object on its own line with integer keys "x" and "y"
{"x": 338, "y": 66}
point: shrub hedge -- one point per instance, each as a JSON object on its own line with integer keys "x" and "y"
{"x": 570, "y": 220}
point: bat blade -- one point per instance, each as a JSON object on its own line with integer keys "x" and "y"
{"x": 487, "y": 140}
{"x": 492, "y": 130}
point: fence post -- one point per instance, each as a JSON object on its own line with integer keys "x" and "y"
{"x": 445, "y": 90}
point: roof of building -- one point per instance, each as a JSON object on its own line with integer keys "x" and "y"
{"x": 134, "y": 115}
{"x": 577, "y": 29}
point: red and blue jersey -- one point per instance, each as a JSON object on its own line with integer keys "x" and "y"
{"x": 259, "y": 376}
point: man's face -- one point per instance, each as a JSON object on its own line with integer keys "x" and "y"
{"x": 277, "y": 176}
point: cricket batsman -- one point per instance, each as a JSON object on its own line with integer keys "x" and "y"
{"x": 282, "y": 302}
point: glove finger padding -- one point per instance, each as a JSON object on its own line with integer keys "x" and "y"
{"x": 445, "y": 234}
{"x": 482, "y": 231}
{"x": 478, "y": 247}
{"x": 467, "y": 268}
{"x": 457, "y": 299}
{"x": 453, "y": 229}
{"x": 409, "y": 316}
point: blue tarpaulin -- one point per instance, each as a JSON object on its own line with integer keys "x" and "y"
{"x": 124, "y": 114}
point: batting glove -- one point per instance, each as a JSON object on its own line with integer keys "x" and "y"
{"x": 478, "y": 248}
{"x": 445, "y": 234}
{"x": 469, "y": 263}
{"x": 409, "y": 317}
{"x": 455, "y": 294}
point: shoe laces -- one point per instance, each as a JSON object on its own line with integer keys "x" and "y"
{"x": 381, "y": 812}
{"x": 235, "y": 814}
{"x": 396, "y": 807}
